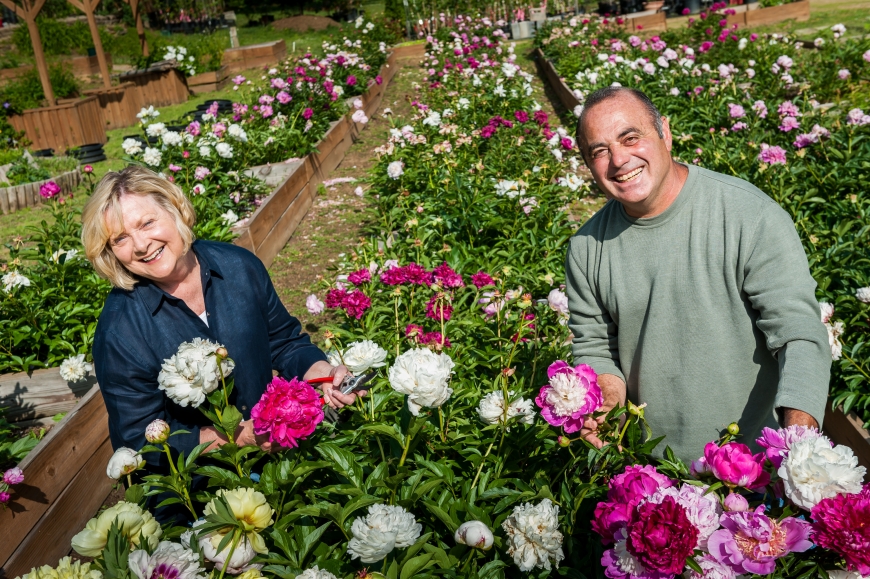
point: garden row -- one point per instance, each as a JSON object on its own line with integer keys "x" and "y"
{"x": 787, "y": 118}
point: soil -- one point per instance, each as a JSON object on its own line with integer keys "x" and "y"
{"x": 304, "y": 23}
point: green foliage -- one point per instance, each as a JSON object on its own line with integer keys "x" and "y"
{"x": 26, "y": 91}
{"x": 13, "y": 445}
{"x": 58, "y": 38}
{"x": 24, "y": 171}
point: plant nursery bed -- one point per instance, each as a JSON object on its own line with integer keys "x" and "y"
{"x": 161, "y": 85}
{"x": 120, "y": 104}
{"x": 255, "y": 55}
{"x": 87, "y": 65}
{"x": 209, "y": 81}
{"x": 70, "y": 124}
{"x": 27, "y": 195}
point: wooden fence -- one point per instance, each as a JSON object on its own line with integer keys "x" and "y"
{"x": 255, "y": 55}
{"x": 159, "y": 86}
{"x": 27, "y": 195}
{"x": 209, "y": 81}
{"x": 120, "y": 104}
{"x": 70, "y": 124}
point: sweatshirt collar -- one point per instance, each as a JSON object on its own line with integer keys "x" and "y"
{"x": 681, "y": 201}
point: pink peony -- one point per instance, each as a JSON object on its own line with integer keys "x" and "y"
{"x": 482, "y": 279}
{"x": 218, "y": 130}
{"x": 841, "y": 525}
{"x": 447, "y": 276}
{"x": 788, "y": 109}
{"x": 738, "y": 127}
{"x": 283, "y": 97}
{"x": 435, "y": 339}
{"x": 355, "y": 303}
{"x": 521, "y": 116}
{"x": 772, "y": 155}
{"x": 13, "y": 476}
{"x": 417, "y": 274}
{"x": 201, "y": 173}
{"x": 637, "y": 483}
{"x": 174, "y": 168}
{"x": 49, "y": 190}
{"x": 266, "y": 111}
{"x": 712, "y": 569}
{"x": 777, "y": 443}
{"x": 751, "y": 542}
{"x": 335, "y": 297}
{"x": 736, "y": 111}
{"x": 611, "y": 517}
{"x": 661, "y": 537}
{"x": 571, "y": 395}
{"x": 760, "y": 109}
{"x": 413, "y": 332}
{"x": 88, "y": 169}
{"x": 239, "y": 79}
{"x": 541, "y": 117}
{"x": 438, "y": 308}
{"x": 287, "y": 412}
{"x": 735, "y": 465}
{"x": 735, "y": 502}
{"x": 395, "y": 275}
{"x": 789, "y": 124}
{"x": 4, "y": 498}
{"x": 360, "y": 277}
{"x": 351, "y": 80}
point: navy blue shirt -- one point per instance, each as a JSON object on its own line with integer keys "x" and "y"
{"x": 140, "y": 328}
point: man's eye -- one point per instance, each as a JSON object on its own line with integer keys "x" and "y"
{"x": 598, "y": 153}
{"x": 631, "y": 140}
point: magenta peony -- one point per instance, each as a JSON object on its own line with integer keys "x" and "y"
{"x": 637, "y": 483}
{"x": 13, "y": 476}
{"x": 447, "y": 276}
{"x": 335, "y": 297}
{"x": 751, "y": 542}
{"x": 571, "y": 395}
{"x": 842, "y": 524}
{"x": 356, "y": 303}
{"x": 482, "y": 279}
{"x": 287, "y": 412}
{"x": 772, "y": 155}
{"x": 49, "y": 190}
{"x": 610, "y": 518}
{"x": 735, "y": 465}
{"x": 360, "y": 277}
{"x": 778, "y": 442}
{"x": 661, "y": 537}
{"x": 438, "y": 308}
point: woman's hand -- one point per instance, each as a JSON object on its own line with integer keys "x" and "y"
{"x": 331, "y": 393}
{"x": 244, "y": 436}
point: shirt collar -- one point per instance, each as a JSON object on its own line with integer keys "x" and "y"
{"x": 153, "y": 296}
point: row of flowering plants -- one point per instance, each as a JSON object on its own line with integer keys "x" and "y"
{"x": 465, "y": 458}
{"x": 50, "y": 298}
{"x": 786, "y": 117}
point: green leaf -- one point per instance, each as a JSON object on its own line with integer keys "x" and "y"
{"x": 415, "y": 565}
{"x": 344, "y": 461}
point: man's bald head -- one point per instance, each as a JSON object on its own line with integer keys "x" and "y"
{"x": 618, "y": 92}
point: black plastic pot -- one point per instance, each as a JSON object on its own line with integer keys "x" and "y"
{"x": 44, "y": 153}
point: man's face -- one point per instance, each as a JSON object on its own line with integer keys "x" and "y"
{"x": 628, "y": 159}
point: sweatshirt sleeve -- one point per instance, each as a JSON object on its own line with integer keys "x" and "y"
{"x": 779, "y": 286}
{"x": 595, "y": 332}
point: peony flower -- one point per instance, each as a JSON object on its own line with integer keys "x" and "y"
{"x": 152, "y": 157}
{"x": 447, "y": 277}
{"x": 736, "y": 502}
{"x": 751, "y": 542}
{"x": 314, "y": 305}
{"x": 702, "y": 510}
{"x": 155, "y": 129}
{"x": 735, "y": 465}
{"x": 132, "y": 146}
{"x": 238, "y": 133}
{"x": 360, "y": 356}
{"x": 13, "y": 476}
{"x": 66, "y": 569}
{"x": 230, "y": 217}
{"x": 384, "y": 528}
{"x": 813, "y": 471}
{"x": 438, "y": 307}
{"x": 49, "y": 190}
{"x": 558, "y": 301}
{"x": 172, "y": 139}
{"x": 395, "y": 169}
{"x": 840, "y": 524}
{"x": 225, "y": 150}
{"x": 355, "y": 303}
{"x": 14, "y": 279}
{"x": 491, "y": 409}
{"x": 862, "y": 294}
{"x": 533, "y": 535}
{"x": 778, "y": 442}
{"x": 168, "y": 561}
{"x": 736, "y": 111}
{"x": 157, "y": 432}
{"x": 827, "y": 311}
{"x": 475, "y": 534}
{"x": 571, "y": 395}
{"x": 660, "y": 536}
{"x": 249, "y": 506}
{"x": 772, "y": 155}
{"x": 424, "y": 376}
{"x": 123, "y": 462}
{"x": 201, "y": 173}
{"x": 636, "y": 483}
{"x": 287, "y": 412}
{"x": 208, "y": 544}
{"x": 316, "y": 573}
{"x": 135, "y": 524}
{"x": 482, "y": 279}
{"x": 193, "y": 372}
{"x": 712, "y": 569}
{"x": 359, "y": 117}
{"x": 75, "y": 369}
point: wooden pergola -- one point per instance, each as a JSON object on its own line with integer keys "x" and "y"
{"x": 27, "y": 10}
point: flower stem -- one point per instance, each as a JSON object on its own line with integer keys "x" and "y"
{"x": 236, "y": 535}
{"x": 408, "y": 438}
{"x": 482, "y": 462}
{"x": 441, "y": 423}
{"x": 184, "y": 494}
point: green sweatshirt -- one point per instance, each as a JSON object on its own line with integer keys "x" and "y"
{"x": 707, "y": 311}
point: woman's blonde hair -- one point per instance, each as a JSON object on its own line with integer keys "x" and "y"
{"x": 96, "y": 233}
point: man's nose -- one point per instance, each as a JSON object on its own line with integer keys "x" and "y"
{"x": 618, "y": 156}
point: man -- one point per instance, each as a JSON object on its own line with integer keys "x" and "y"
{"x": 689, "y": 290}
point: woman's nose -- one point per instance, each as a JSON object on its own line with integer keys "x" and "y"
{"x": 140, "y": 242}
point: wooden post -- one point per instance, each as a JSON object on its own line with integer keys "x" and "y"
{"x": 88, "y": 7}
{"x": 28, "y": 10}
{"x": 140, "y": 28}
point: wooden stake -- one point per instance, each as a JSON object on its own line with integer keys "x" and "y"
{"x": 140, "y": 28}
{"x": 88, "y": 7}
{"x": 28, "y": 11}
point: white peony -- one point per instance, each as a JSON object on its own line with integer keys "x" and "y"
{"x": 123, "y": 462}
{"x": 827, "y": 311}
{"x": 359, "y": 117}
{"x": 167, "y": 560}
{"x": 813, "y": 471}
{"x": 75, "y": 369}
{"x": 135, "y": 524}
{"x": 423, "y": 375}
{"x": 360, "y": 356}
{"x": 209, "y": 543}
{"x": 205, "y": 151}
{"x": 172, "y": 139}
{"x": 433, "y": 119}
{"x": 702, "y": 510}
{"x": 571, "y": 181}
{"x": 558, "y": 301}
{"x": 157, "y": 432}
{"x": 475, "y": 534}
{"x": 132, "y": 146}
{"x": 192, "y": 372}
{"x": 357, "y": 104}
{"x": 230, "y": 217}
{"x": 835, "y": 330}
{"x": 14, "y": 279}
{"x": 385, "y": 528}
{"x": 316, "y": 573}
{"x": 148, "y": 113}
{"x": 863, "y": 295}
{"x": 314, "y": 305}
{"x": 533, "y": 535}
{"x": 225, "y": 150}
{"x": 395, "y": 169}
{"x": 491, "y": 409}
{"x": 155, "y": 129}
{"x": 566, "y": 394}
{"x": 238, "y": 133}
{"x": 152, "y": 157}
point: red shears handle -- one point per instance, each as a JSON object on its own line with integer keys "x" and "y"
{"x": 323, "y": 380}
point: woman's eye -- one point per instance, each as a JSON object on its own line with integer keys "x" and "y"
{"x": 148, "y": 223}
{"x": 119, "y": 240}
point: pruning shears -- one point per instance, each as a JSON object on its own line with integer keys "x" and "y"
{"x": 349, "y": 384}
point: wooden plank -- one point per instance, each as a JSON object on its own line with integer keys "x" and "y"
{"x": 270, "y": 211}
{"x": 848, "y": 429}
{"x": 49, "y": 540}
{"x": 565, "y": 95}
{"x": 4, "y": 200}
{"x": 40, "y": 394}
{"x": 799, "y": 11}
{"x": 655, "y": 21}
{"x": 50, "y": 467}
{"x": 286, "y": 225}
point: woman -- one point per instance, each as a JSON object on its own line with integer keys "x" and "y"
{"x": 169, "y": 289}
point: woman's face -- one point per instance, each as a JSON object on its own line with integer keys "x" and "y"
{"x": 147, "y": 243}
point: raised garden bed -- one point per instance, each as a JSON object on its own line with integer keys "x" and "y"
{"x": 255, "y": 55}
{"x": 209, "y": 81}
{"x": 13, "y": 73}
{"x": 161, "y": 85}
{"x": 69, "y": 124}
{"x": 27, "y": 195}
{"x": 120, "y": 104}
{"x": 88, "y": 65}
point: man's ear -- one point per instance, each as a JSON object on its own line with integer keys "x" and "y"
{"x": 666, "y": 134}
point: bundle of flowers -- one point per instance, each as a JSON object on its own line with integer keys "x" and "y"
{"x": 769, "y": 110}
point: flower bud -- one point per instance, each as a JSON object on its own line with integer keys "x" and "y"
{"x": 736, "y": 502}
{"x": 733, "y": 429}
{"x": 222, "y": 352}
{"x": 564, "y": 441}
{"x": 124, "y": 461}
{"x": 157, "y": 432}
{"x": 634, "y": 409}
{"x": 4, "y": 497}
{"x": 13, "y": 476}
{"x": 475, "y": 534}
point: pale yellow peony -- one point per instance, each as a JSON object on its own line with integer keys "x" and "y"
{"x": 65, "y": 570}
{"x": 250, "y": 507}
{"x": 133, "y": 521}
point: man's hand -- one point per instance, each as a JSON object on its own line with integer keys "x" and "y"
{"x": 793, "y": 416}
{"x": 331, "y": 394}
{"x": 244, "y": 436}
{"x": 613, "y": 390}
